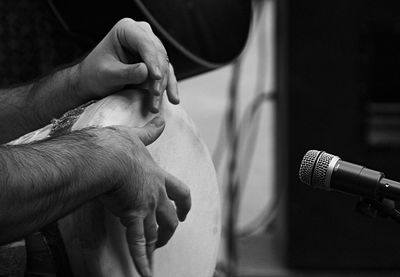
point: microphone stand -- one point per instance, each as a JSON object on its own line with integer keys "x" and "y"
{"x": 373, "y": 207}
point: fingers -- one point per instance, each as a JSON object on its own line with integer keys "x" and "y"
{"x": 172, "y": 87}
{"x": 139, "y": 38}
{"x": 150, "y": 226}
{"x": 180, "y": 193}
{"x": 154, "y": 104}
{"x": 166, "y": 219}
{"x": 151, "y": 131}
{"x": 155, "y": 100}
{"x": 135, "y": 237}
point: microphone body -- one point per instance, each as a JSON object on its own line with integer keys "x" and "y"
{"x": 322, "y": 170}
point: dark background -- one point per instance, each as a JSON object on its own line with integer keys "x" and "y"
{"x": 339, "y": 81}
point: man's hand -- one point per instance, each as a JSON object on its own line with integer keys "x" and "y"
{"x": 130, "y": 54}
{"x": 42, "y": 181}
{"x": 142, "y": 192}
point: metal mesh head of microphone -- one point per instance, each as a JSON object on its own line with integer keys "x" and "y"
{"x": 307, "y": 166}
{"x": 314, "y": 169}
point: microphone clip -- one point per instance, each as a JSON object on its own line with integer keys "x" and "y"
{"x": 382, "y": 207}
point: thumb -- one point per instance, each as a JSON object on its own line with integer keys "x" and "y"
{"x": 151, "y": 131}
{"x": 131, "y": 74}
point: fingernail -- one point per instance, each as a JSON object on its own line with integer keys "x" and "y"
{"x": 157, "y": 87}
{"x": 158, "y": 121}
{"x": 156, "y": 102}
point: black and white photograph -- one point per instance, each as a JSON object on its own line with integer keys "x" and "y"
{"x": 199, "y": 138}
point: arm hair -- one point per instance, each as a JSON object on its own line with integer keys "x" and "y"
{"x": 42, "y": 181}
{"x": 31, "y": 106}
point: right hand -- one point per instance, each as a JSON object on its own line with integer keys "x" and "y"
{"x": 142, "y": 193}
{"x": 130, "y": 54}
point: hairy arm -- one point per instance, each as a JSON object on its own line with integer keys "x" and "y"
{"x": 129, "y": 55}
{"x": 43, "y": 181}
{"x": 31, "y": 106}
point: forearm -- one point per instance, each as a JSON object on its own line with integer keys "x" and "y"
{"x": 31, "y": 106}
{"x": 129, "y": 55}
{"x": 41, "y": 182}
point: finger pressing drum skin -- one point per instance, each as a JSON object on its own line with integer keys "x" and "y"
{"x": 167, "y": 221}
{"x": 159, "y": 86}
{"x": 172, "y": 87}
{"x": 135, "y": 237}
{"x": 162, "y": 57}
{"x": 155, "y": 87}
{"x": 180, "y": 193}
{"x": 148, "y": 46}
{"x": 154, "y": 56}
{"x": 154, "y": 104}
{"x": 156, "y": 99}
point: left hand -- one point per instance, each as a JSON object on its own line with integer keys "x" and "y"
{"x": 130, "y": 54}
{"x": 140, "y": 192}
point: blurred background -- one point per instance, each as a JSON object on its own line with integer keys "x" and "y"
{"x": 207, "y": 98}
{"x": 265, "y": 81}
{"x": 325, "y": 76}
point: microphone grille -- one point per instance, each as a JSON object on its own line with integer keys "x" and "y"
{"x": 314, "y": 168}
{"x": 307, "y": 165}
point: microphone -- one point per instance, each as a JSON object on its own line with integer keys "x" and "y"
{"x": 325, "y": 171}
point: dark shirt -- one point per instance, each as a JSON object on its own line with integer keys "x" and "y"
{"x": 33, "y": 42}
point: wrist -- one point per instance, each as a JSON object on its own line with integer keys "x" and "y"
{"x": 113, "y": 163}
{"x": 77, "y": 89}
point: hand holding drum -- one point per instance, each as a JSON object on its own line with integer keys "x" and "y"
{"x": 140, "y": 196}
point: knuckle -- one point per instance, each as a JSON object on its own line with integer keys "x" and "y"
{"x": 145, "y": 25}
{"x": 124, "y": 22}
{"x": 135, "y": 239}
{"x": 140, "y": 256}
{"x": 153, "y": 231}
{"x": 152, "y": 202}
